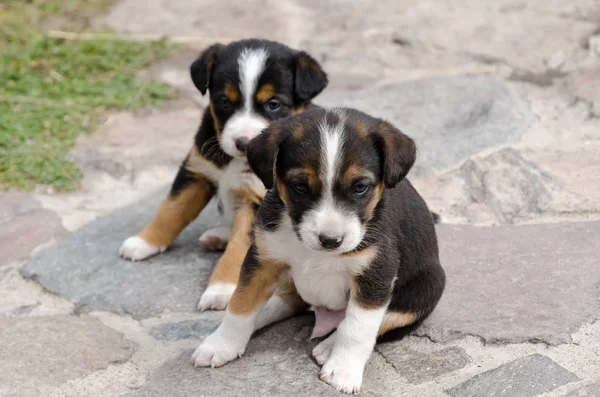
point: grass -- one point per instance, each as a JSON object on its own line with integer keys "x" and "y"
{"x": 53, "y": 90}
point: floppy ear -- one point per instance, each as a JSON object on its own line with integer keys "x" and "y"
{"x": 202, "y": 66}
{"x": 398, "y": 153}
{"x": 262, "y": 153}
{"x": 310, "y": 78}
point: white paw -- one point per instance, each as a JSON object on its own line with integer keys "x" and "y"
{"x": 216, "y": 297}
{"x": 322, "y": 351}
{"x": 136, "y": 249}
{"x": 216, "y": 351}
{"x": 215, "y": 239}
{"x": 342, "y": 375}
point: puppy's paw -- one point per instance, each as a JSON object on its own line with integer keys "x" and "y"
{"x": 343, "y": 376}
{"x": 216, "y": 297}
{"x": 215, "y": 239}
{"x": 322, "y": 351}
{"x": 215, "y": 352}
{"x": 136, "y": 249}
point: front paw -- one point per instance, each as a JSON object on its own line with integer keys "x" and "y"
{"x": 322, "y": 351}
{"x": 345, "y": 376}
{"x": 215, "y": 352}
{"x": 137, "y": 249}
{"x": 215, "y": 239}
{"x": 216, "y": 297}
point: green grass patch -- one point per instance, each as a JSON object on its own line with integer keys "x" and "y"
{"x": 53, "y": 90}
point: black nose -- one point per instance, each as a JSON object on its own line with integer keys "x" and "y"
{"x": 242, "y": 144}
{"x": 330, "y": 242}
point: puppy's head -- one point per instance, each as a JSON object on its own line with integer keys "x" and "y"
{"x": 329, "y": 168}
{"x": 251, "y": 83}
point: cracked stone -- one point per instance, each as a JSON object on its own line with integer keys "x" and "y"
{"x": 471, "y": 114}
{"x": 526, "y": 377}
{"x": 513, "y": 284}
{"x": 418, "y": 367}
{"x": 40, "y": 353}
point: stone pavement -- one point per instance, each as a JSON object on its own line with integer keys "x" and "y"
{"x": 503, "y": 99}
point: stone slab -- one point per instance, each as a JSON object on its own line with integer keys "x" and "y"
{"x": 197, "y": 329}
{"x": 40, "y": 353}
{"x": 450, "y": 118}
{"x": 418, "y": 367}
{"x": 277, "y": 362}
{"x": 86, "y": 269}
{"x": 526, "y": 377}
{"x": 586, "y": 391}
{"x": 512, "y": 284}
{"x": 24, "y": 225}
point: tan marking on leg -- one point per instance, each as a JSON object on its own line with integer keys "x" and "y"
{"x": 265, "y": 93}
{"x": 227, "y": 269}
{"x": 231, "y": 92}
{"x": 177, "y": 212}
{"x": 393, "y": 320}
{"x": 248, "y": 297}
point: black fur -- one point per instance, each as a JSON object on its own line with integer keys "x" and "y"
{"x": 400, "y": 227}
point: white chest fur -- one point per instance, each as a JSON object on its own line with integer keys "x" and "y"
{"x": 232, "y": 177}
{"x": 321, "y": 278}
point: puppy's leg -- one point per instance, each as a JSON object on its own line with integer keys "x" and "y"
{"x": 258, "y": 281}
{"x": 284, "y": 303}
{"x": 353, "y": 341}
{"x": 190, "y": 192}
{"x": 225, "y": 275}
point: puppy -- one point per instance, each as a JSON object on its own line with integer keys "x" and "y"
{"x": 339, "y": 229}
{"x": 251, "y": 83}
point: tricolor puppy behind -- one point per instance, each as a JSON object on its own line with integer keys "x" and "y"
{"x": 251, "y": 83}
{"x": 340, "y": 229}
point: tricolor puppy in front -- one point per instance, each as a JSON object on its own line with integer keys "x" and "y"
{"x": 251, "y": 83}
{"x": 340, "y": 229}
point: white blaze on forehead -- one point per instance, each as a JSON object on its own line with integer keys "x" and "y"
{"x": 332, "y": 138}
{"x": 251, "y": 64}
{"x": 245, "y": 123}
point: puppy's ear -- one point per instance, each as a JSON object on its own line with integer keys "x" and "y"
{"x": 398, "y": 153}
{"x": 202, "y": 66}
{"x": 262, "y": 153}
{"x": 310, "y": 78}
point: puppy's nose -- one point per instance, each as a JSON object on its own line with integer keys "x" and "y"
{"x": 330, "y": 242}
{"x": 242, "y": 144}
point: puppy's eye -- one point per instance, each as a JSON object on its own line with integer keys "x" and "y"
{"x": 300, "y": 188}
{"x": 225, "y": 104}
{"x": 273, "y": 105}
{"x": 360, "y": 188}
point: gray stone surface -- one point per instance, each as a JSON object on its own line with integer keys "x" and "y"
{"x": 451, "y": 118}
{"x": 198, "y": 328}
{"x": 24, "y": 225}
{"x": 534, "y": 283}
{"x": 418, "y": 367}
{"x": 277, "y": 362}
{"x": 37, "y": 354}
{"x": 586, "y": 391}
{"x": 85, "y": 267}
{"x": 525, "y": 377}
